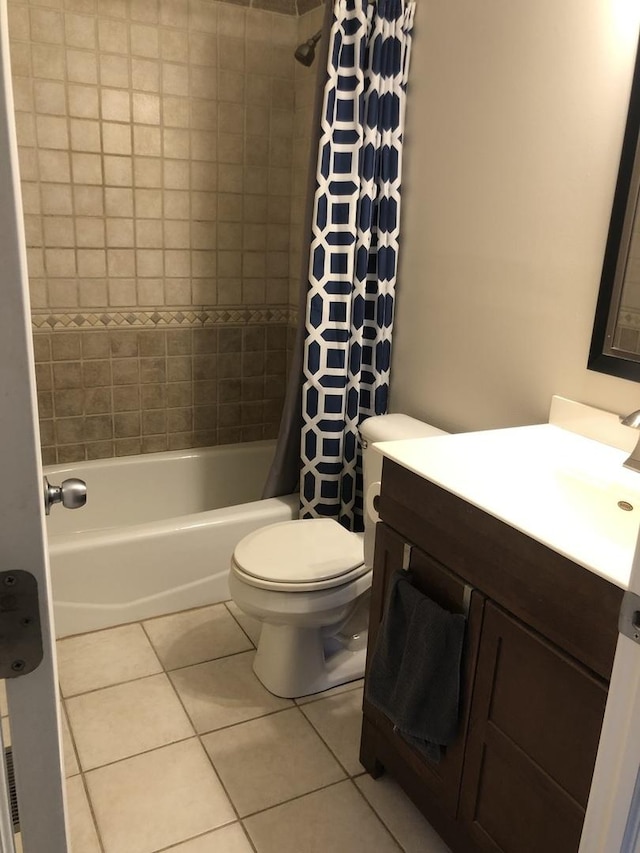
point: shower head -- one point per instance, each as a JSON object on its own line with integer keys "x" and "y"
{"x": 306, "y": 52}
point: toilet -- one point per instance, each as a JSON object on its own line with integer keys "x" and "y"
{"x": 307, "y": 581}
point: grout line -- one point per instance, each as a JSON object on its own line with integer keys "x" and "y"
{"x": 109, "y": 686}
{"x": 328, "y": 746}
{"x": 297, "y": 797}
{"x": 379, "y": 818}
{"x": 92, "y": 812}
{"x": 142, "y": 622}
{"x": 249, "y": 720}
{"x": 202, "y": 746}
{"x": 136, "y": 754}
{"x": 72, "y": 737}
{"x": 248, "y": 837}
{"x": 238, "y": 623}
{"x": 159, "y": 672}
{"x": 200, "y": 835}
{"x": 132, "y": 622}
{"x": 211, "y": 660}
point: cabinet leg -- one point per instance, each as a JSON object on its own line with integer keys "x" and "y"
{"x": 368, "y": 758}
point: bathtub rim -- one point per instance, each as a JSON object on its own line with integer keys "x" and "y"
{"x": 157, "y": 456}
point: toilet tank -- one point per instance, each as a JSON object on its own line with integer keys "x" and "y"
{"x": 383, "y": 428}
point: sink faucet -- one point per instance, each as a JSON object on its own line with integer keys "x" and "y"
{"x": 632, "y": 420}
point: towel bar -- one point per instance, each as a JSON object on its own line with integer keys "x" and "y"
{"x": 468, "y": 589}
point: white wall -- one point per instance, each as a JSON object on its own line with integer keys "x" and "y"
{"x": 515, "y": 120}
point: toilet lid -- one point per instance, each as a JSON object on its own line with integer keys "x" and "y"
{"x": 304, "y": 551}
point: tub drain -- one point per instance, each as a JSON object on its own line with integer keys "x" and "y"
{"x": 625, "y": 505}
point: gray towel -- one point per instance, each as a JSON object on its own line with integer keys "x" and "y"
{"x": 414, "y": 677}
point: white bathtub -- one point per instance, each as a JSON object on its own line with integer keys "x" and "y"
{"x": 157, "y": 532}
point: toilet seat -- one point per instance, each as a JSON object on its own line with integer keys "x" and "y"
{"x": 301, "y": 555}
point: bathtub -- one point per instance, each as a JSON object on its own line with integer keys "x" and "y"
{"x": 157, "y": 532}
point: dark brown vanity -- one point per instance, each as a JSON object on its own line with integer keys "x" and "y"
{"x": 539, "y": 645}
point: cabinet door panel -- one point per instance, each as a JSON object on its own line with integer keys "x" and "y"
{"x": 518, "y": 809}
{"x": 448, "y": 590}
{"x": 533, "y": 737}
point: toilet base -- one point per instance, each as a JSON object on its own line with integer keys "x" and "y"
{"x": 292, "y": 661}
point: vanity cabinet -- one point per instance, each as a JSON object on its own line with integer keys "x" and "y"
{"x": 539, "y": 645}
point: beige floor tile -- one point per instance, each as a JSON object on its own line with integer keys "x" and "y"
{"x": 335, "y": 819}
{"x": 413, "y": 832}
{"x": 194, "y": 636}
{"x": 81, "y": 827}
{"x": 269, "y": 760}
{"x": 229, "y": 839}
{"x": 338, "y": 720}
{"x": 6, "y": 731}
{"x": 126, "y": 719}
{"x": 223, "y": 692}
{"x": 332, "y": 691}
{"x": 250, "y": 626}
{"x": 91, "y": 661}
{"x": 152, "y": 801}
{"x": 69, "y": 753}
{"x": 18, "y": 842}
{"x": 3, "y": 699}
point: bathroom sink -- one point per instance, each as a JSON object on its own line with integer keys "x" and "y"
{"x": 611, "y": 508}
{"x": 569, "y": 492}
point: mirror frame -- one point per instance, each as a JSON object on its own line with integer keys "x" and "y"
{"x": 601, "y": 358}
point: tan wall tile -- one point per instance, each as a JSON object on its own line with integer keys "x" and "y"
{"x": 80, "y": 31}
{"x": 97, "y": 401}
{"x": 193, "y": 165}
{"x": 113, "y": 36}
{"x": 46, "y": 26}
{"x": 145, "y": 75}
{"x": 118, "y": 202}
{"x": 150, "y": 291}
{"x": 174, "y": 13}
{"x": 122, "y": 291}
{"x": 144, "y": 10}
{"x": 93, "y": 292}
{"x": 63, "y": 293}
{"x": 147, "y": 141}
{"x": 88, "y": 201}
{"x": 114, "y": 70}
{"x": 82, "y": 66}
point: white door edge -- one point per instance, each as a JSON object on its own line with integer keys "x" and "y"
{"x": 32, "y": 699}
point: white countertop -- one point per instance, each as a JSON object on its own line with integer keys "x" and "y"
{"x": 554, "y": 485}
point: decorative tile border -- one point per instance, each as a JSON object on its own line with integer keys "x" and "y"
{"x": 196, "y": 318}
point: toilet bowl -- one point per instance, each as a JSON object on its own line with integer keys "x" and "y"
{"x": 302, "y": 580}
{"x": 307, "y": 581}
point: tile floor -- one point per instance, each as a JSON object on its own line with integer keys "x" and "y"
{"x": 172, "y": 744}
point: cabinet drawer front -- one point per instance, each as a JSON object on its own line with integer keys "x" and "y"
{"x": 534, "y": 731}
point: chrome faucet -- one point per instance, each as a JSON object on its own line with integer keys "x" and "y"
{"x": 632, "y": 420}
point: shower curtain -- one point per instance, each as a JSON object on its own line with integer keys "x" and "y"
{"x": 354, "y": 250}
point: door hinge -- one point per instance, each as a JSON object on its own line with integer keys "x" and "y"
{"x": 629, "y": 620}
{"x": 20, "y": 633}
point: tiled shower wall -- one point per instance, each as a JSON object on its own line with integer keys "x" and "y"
{"x": 158, "y": 155}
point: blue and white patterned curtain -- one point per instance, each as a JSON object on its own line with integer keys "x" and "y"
{"x": 354, "y": 250}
